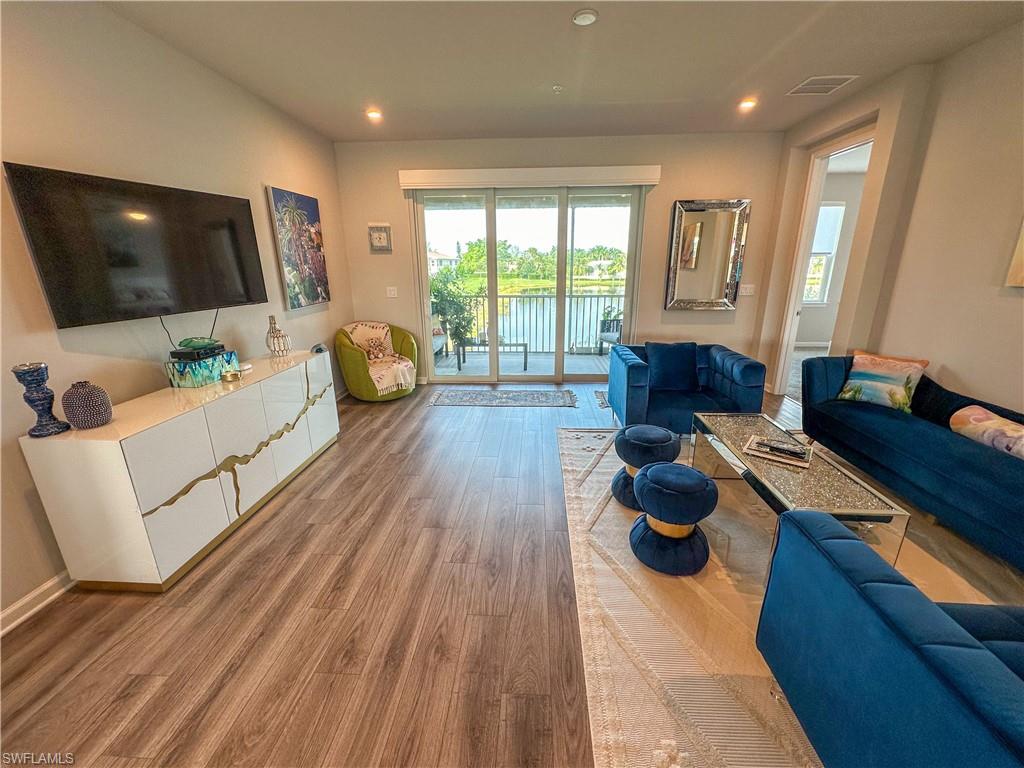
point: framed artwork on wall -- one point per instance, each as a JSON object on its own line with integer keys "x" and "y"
{"x": 380, "y": 237}
{"x": 300, "y": 247}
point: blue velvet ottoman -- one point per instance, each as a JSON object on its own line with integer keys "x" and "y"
{"x": 638, "y": 446}
{"x": 674, "y": 498}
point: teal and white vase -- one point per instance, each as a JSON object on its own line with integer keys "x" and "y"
{"x": 87, "y": 406}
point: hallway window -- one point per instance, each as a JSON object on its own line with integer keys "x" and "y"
{"x": 823, "y": 251}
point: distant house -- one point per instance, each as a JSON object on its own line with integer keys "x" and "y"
{"x": 436, "y": 261}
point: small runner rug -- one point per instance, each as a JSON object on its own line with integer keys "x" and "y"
{"x": 509, "y": 398}
{"x": 602, "y": 398}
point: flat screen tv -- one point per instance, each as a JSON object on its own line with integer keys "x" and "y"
{"x": 108, "y": 250}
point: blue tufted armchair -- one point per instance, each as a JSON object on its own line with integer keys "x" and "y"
{"x": 664, "y": 384}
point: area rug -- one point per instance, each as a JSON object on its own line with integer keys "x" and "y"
{"x": 507, "y": 398}
{"x": 673, "y": 677}
{"x": 602, "y": 398}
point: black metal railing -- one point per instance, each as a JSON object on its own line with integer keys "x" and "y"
{"x": 530, "y": 319}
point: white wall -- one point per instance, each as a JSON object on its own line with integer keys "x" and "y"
{"x": 694, "y": 166}
{"x": 85, "y": 90}
{"x": 817, "y": 320}
{"x": 948, "y": 303}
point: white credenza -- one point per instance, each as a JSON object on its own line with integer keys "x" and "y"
{"x": 136, "y": 503}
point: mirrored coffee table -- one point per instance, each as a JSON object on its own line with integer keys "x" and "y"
{"x": 718, "y": 440}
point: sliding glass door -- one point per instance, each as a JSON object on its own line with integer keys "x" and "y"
{"x": 526, "y": 227}
{"x": 526, "y": 284}
{"x": 600, "y": 231}
{"x": 457, "y": 268}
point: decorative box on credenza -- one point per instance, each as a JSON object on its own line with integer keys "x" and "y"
{"x": 136, "y": 503}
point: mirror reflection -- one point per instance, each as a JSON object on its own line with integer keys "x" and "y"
{"x": 706, "y": 258}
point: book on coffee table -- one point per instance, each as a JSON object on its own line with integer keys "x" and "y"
{"x": 784, "y": 453}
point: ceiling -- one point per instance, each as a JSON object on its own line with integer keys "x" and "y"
{"x": 486, "y": 69}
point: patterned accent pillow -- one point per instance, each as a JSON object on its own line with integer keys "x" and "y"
{"x": 983, "y": 426}
{"x": 376, "y": 349}
{"x": 882, "y": 381}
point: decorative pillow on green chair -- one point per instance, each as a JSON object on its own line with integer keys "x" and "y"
{"x": 882, "y": 380}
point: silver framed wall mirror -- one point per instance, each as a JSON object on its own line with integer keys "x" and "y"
{"x": 706, "y": 253}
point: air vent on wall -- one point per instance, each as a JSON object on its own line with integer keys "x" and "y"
{"x": 822, "y": 85}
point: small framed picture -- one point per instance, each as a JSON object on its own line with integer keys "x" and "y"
{"x": 380, "y": 237}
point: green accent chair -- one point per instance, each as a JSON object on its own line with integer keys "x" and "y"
{"x": 355, "y": 366}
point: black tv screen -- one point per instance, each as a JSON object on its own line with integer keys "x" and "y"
{"x": 109, "y": 250}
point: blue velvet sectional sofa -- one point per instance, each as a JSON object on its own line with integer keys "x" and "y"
{"x": 878, "y": 675}
{"x": 971, "y": 488}
{"x": 665, "y": 384}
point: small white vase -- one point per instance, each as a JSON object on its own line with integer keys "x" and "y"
{"x": 278, "y": 342}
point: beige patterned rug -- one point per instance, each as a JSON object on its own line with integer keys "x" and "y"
{"x": 673, "y": 677}
{"x": 509, "y": 398}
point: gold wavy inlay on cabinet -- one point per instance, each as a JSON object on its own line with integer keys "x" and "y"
{"x": 232, "y": 463}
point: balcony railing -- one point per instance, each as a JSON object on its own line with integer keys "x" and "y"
{"x": 530, "y": 319}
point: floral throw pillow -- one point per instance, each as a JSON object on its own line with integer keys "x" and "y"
{"x": 882, "y": 381}
{"x": 987, "y": 428}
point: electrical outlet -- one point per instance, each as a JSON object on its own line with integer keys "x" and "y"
{"x": 746, "y": 289}
{"x": 392, "y": 292}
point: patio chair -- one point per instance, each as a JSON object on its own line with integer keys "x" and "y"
{"x": 610, "y": 332}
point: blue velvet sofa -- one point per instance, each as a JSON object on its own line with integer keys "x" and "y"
{"x": 664, "y": 384}
{"x": 879, "y": 675}
{"x": 969, "y": 487}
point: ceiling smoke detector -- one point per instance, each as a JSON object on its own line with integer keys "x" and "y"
{"x": 584, "y": 17}
{"x": 822, "y": 85}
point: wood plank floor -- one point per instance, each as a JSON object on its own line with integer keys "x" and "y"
{"x": 407, "y": 601}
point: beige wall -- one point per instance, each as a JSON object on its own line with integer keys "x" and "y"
{"x": 85, "y": 90}
{"x": 894, "y": 109}
{"x": 948, "y": 302}
{"x": 693, "y": 166}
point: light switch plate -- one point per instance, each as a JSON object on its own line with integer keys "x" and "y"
{"x": 746, "y": 289}
{"x": 392, "y": 292}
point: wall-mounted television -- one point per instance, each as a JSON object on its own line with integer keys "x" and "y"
{"x": 108, "y": 249}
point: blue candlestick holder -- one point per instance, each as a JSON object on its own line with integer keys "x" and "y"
{"x": 39, "y": 397}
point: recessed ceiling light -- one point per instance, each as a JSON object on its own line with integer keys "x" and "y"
{"x": 557, "y": 89}
{"x": 747, "y": 104}
{"x": 584, "y": 17}
{"x": 374, "y": 114}
{"x": 137, "y": 215}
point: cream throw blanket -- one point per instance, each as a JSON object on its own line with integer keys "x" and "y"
{"x": 389, "y": 371}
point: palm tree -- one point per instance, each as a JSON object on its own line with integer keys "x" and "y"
{"x": 294, "y": 221}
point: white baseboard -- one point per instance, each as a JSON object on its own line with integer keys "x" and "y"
{"x": 34, "y": 601}
{"x": 811, "y": 345}
{"x": 421, "y": 379}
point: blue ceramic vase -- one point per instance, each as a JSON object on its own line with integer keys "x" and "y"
{"x": 39, "y": 397}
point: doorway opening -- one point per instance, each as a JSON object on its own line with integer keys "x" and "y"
{"x": 526, "y": 284}
{"x": 830, "y": 218}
